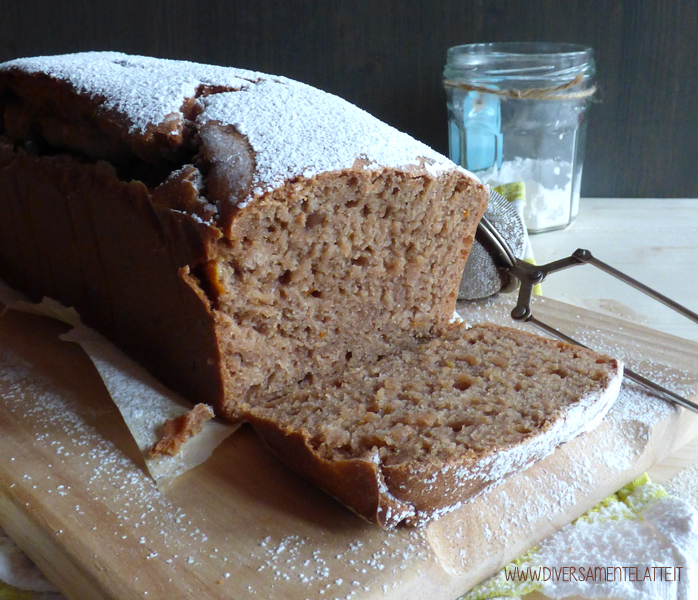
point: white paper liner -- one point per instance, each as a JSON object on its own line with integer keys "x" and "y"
{"x": 18, "y": 571}
{"x": 143, "y": 401}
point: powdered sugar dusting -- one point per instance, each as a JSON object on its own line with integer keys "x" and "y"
{"x": 299, "y": 131}
{"x": 295, "y": 558}
{"x": 63, "y": 430}
{"x": 294, "y": 129}
{"x": 144, "y": 90}
{"x": 685, "y": 485}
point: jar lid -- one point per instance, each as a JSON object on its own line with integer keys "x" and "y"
{"x": 520, "y": 64}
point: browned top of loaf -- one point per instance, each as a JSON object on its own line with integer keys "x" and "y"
{"x": 267, "y": 129}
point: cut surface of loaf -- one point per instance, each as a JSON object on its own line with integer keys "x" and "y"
{"x": 440, "y": 420}
{"x": 274, "y": 251}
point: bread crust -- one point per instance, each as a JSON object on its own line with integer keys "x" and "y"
{"x": 74, "y": 232}
{"x": 358, "y": 482}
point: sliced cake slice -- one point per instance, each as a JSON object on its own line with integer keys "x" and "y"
{"x": 437, "y": 422}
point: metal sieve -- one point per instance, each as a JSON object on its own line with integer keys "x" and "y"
{"x": 503, "y": 255}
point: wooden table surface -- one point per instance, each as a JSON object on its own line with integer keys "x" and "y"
{"x": 652, "y": 240}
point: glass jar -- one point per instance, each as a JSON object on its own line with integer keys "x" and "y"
{"x": 517, "y": 112}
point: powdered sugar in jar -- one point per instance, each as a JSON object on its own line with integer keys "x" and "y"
{"x": 518, "y": 112}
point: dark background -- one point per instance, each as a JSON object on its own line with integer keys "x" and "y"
{"x": 387, "y": 57}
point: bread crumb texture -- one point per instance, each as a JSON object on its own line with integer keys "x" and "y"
{"x": 470, "y": 392}
{"x": 441, "y": 419}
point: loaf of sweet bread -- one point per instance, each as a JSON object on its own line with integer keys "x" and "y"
{"x": 274, "y": 251}
{"x": 235, "y": 232}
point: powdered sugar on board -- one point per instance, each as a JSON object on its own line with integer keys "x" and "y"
{"x": 143, "y": 401}
{"x": 62, "y": 427}
{"x": 96, "y": 494}
{"x": 685, "y": 485}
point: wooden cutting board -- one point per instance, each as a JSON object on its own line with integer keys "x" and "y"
{"x": 74, "y": 494}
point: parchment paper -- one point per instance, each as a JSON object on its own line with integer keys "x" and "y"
{"x": 143, "y": 401}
